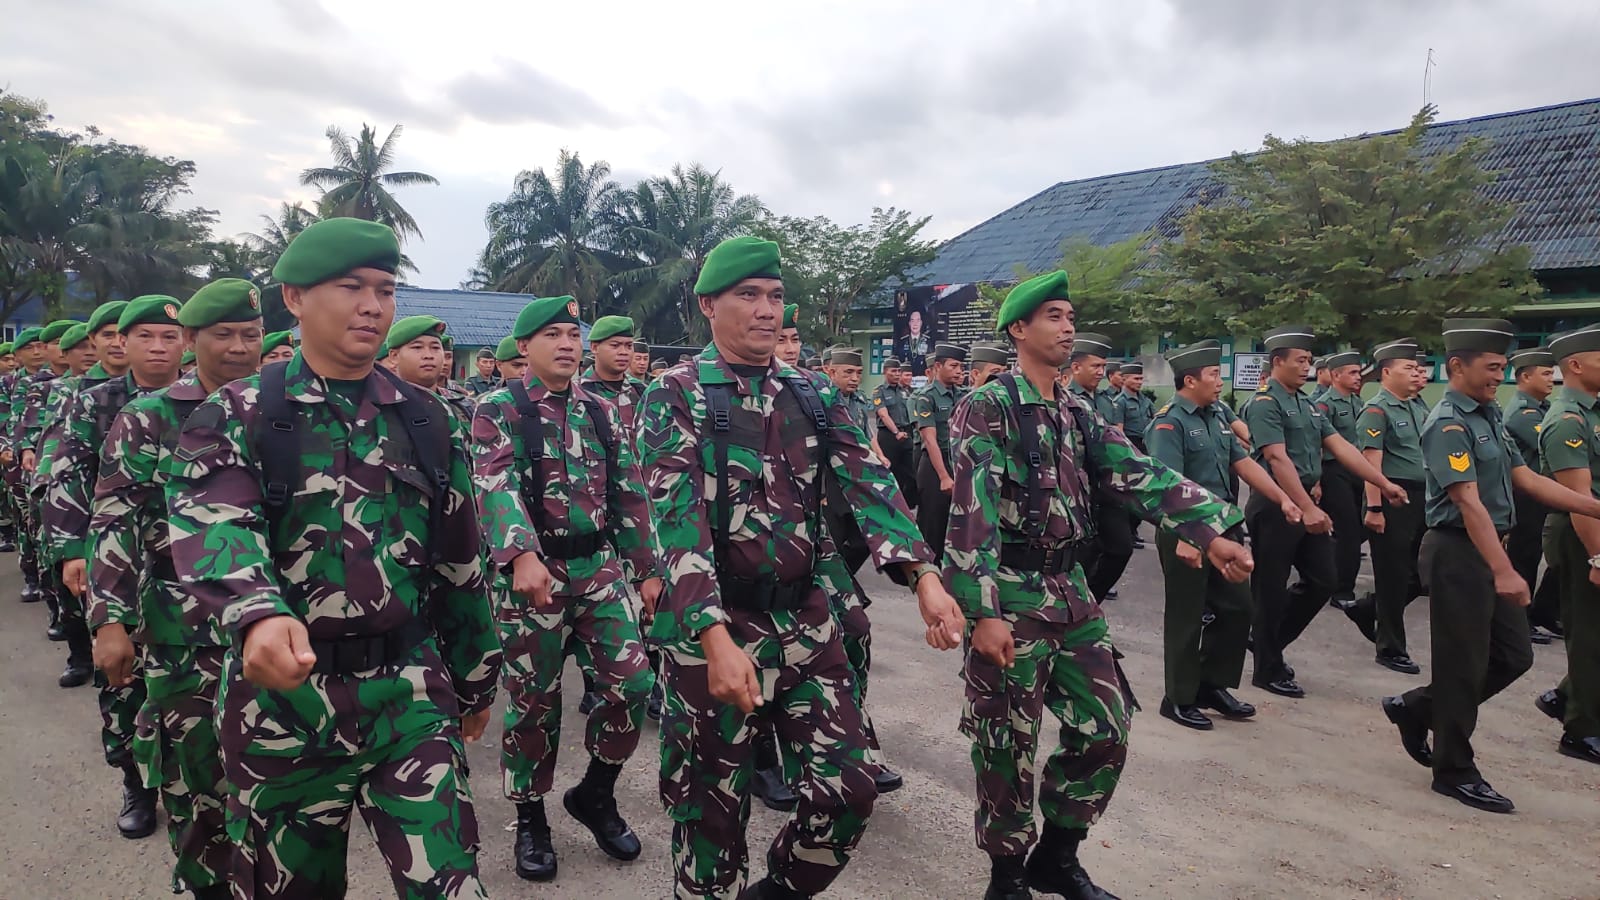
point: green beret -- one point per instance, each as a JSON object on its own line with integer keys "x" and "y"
{"x": 507, "y": 351}
{"x": 6, "y": 349}
{"x": 1194, "y": 356}
{"x": 410, "y": 328}
{"x": 641, "y": 346}
{"x": 791, "y": 316}
{"x": 990, "y": 353}
{"x": 448, "y": 341}
{"x": 1404, "y": 348}
{"x": 1341, "y": 359}
{"x": 187, "y": 358}
{"x": 543, "y": 312}
{"x": 1482, "y": 335}
{"x": 56, "y": 329}
{"x": 1531, "y": 357}
{"x": 1028, "y": 296}
{"x": 736, "y": 259}
{"x": 892, "y": 363}
{"x": 24, "y": 337}
{"x": 275, "y": 340}
{"x": 1289, "y": 337}
{"x": 151, "y": 309}
{"x": 950, "y": 351}
{"x": 1090, "y": 343}
{"x": 1132, "y": 368}
{"x": 383, "y": 351}
{"x": 334, "y": 247}
{"x": 845, "y": 356}
{"x": 106, "y": 314}
{"x": 607, "y": 327}
{"x": 74, "y": 335}
{"x": 223, "y": 300}
{"x": 1569, "y": 343}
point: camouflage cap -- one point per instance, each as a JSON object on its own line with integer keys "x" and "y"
{"x": 106, "y": 314}
{"x": 151, "y": 309}
{"x": 223, "y": 300}
{"x": 607, "y": 327}
{"x": 337, "y": 246}
{"x": 736, "y": 259}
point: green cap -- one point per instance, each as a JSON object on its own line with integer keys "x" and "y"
{"x": 1091, "y": 343}
{"x": 1568, "y": 343}
{"x": 151, "y": 309}
{"x": 1340, "y": 360}
{"x": 383, "y": 350}
{"x": 990, "y": 353}
{"x": 1289, "y": 337}
{"x": 24, "y": 337}
{"x": 333, "y": 247}
{"x": 1113, "y": 366}
{"x": 410, "y": 328}
{"x": 1132, "y": 368}
{"x": 1403, "y": 348}
{"x": 1198, "y": 355}
{"x": 106, "y": 314}
{"x": 658, "y": 365}
{"x": 736, "y": 259}
{"x": 607, "y": 327}
{"x": 56, "y": 329}
{"x": 1028, "y": 296}
{"x": 1531, "y": 357}
{"x": 544, "y": 312}
{"x": 893, "y": 363}
{"x": 641, "y": 347}
{"x": 74, "y": 335}
{"x": 223, "y": 300}
{"x": 275, "y": 340}
{"x": 845, "y": 356}
{"x": 949, "y": 351}
{"x": 6, "y": 349}
{"x": 187, "y": 358}
{"x": 507, "y": 350}
{"x": 791, "y": 316}
{"x": 485, "y": 353}
{"x": 1483, "y": 336}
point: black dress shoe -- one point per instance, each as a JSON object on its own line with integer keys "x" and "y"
{"x": 213, "y": 892}
{"x": 888, "y": 780}
{"x": 588, "y": 703}
{"x": 1552, "y": 703}
{"x": 767, "y": 784}
{"x": 1139, "y": 544}
{"x": 1110, "y": 596}
{"x": 138, "y": 816}
{"x": 8, "y": 546}
{"x": 1365, "y": 614}
{"x": 1398, "y": 662}
{"x": 1540, "y": 636}
{"x": 1586, "y": 749}
{"x": 1478, "y": 795}
{"x": 597, "y": 811}
{"x": 534, "y": 854}
{"x": 75, "y": 676}
{"x": 1223, "y": 702}
{"x": 1413, "y": 734}
{"x": 1187, "y": 716}
{"x": 1342, "y": 601}
{"x": 767, "y": 889}
{"x": 1065, "y": 877}
{"x": 1285, "y": 686}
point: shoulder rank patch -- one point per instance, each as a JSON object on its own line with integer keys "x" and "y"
{"x": 1163, "y": 410}
{"x": 1374, "y": 432}
{"x": 1166, "y": 426}
{"x": 1460, "y": 462}
{"x": 1574, "y": 444}
{"x": 1529, "y": 411}
{"x": 1452, "y": 428}
{"x": 1572, "y": 416}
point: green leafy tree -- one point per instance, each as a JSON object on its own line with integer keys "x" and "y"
{"x": 1103, "y": 282}
{"x": 359, "y": 181}
{"x": 1365, "y": 239}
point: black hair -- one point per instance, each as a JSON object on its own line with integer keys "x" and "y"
{"x": 1467, "y": 357}
{"x": 1179, "y": 376}
{"x": 1280, "y": 353}
{"x": 1387, "y": 364}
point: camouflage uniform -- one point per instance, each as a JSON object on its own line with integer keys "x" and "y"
{"x": 625, "y": 395}
{"x": 349, "y": 558}
{"x": 132, "y": 582}
{"x": 460, "y": 403}
{"x": 1064, "y": 656}
{"x": 9, "y": 516}
{"x": 775, "y": 537}
{"x": 63, "y": 605}
{"x": 590, "y": 613}
{"x": 27, "y": 402}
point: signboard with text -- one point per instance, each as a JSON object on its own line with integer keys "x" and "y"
{"x": 1248, "y": 371}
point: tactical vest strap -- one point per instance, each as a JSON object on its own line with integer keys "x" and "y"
{"x": 530, "y": 427}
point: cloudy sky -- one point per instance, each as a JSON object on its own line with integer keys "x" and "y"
{"x": 951, "y": 109}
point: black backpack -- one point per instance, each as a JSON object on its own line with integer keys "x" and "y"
{"x": 1035, "y": 509}
{"x": 531, "y": 429}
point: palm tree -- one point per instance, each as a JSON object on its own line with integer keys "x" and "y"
{"x": 671, "y": 223}
{"x": 358, "y": 182}
{"x": 272, "y": 240}
{"x": 557, "y": 236}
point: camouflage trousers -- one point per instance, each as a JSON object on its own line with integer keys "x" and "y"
{"x": 27, "y": 524}
{"x": 856, "y": 630}
{"x": 119, "y": 716}
{"x": 386, "y": 742}
{"x": 177, "y": 748}
{"x": 601, "y": 629}
{"x": 1070, "y": 670}
{"x": 707, "y": 760}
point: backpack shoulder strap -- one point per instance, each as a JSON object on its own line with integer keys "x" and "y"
{"x": 426, "y": 424}
{"x": 1032, "y": 457}
{"x": 278, "y": 444}
{"x": 531, "y": 429}
{"x": 608, "y": 439}
{"x": 719, "y": 404}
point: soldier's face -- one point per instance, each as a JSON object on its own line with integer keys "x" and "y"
{"x": 343, "y": 320}
{"x": 1400, "y": 378}
{"x": 31, "y": 356}
{"x": 982, "y": 372}
{"x": 8, "y": 363}
{"x": 1134, "y": 383}
{"x": 53, "y": 355}
{"x": 553, "y": 353}
{"x": 279, "y": 354}
{"x": 788, "y": 349}
{"x": 1582, "y": 371}
{"x": 1207, "y": 387}
{"x": 419, "y": 361}
{"x": 746, "y": 319}
{"x": 1115, "y": 378}
{"x": 485, "y": 367}
{"x": 1479, "y": 378}
{"x": 81, "y": 358}
{"x": 227, "y": 351}
{"x": 1538, "y": 380}
{"x": 514, "y": 369}
{"x": 1088, "y": 371}
{"x": 949, "y": 371}
{"x": 639, "y": 364}
{"x": 613, "y": 356}
{"x": 154, "y": 352}
{"x": 848, "y": 378}
{"x": 1292, "y": 368}
{"x": 1046, "y": 337}
{"x": 108, "y": 347}
{"x": 1346, "y": 378}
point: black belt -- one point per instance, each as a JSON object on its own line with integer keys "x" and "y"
{"x": 362, "y": 653}
{"x": 1046, "y": 560}
{"x": 1461, "y": 530}
{"x": 766, "y": 594}
{"x": 1408, "y": 484}
{"x": 566, "y": 546}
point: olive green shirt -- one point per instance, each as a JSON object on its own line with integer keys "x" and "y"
{"x": 931, "y": 406}
{"x": 1393, "y": 426}
{"x": 1341, "y": 410}
{"x": 1464, "y": 440}
{"x": 1137, "y": 412}
{"x": 1524, "y": 419}
{"x": 1195, "y": 442}
{"x": 1277, "y": 415}
{"x": 1103, "y": 401}
{"x": 1569, "y": 436}
{"x": 895, "y": 399}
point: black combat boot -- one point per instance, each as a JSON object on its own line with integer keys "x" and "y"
{"x": 1053, "y": 867}
{"x": 54, "y": 631}
{"x": 1008, "y": 879}
{"x": 213, "y": 892}
{"x": 138, "y": 816}
{"x": 658, "y": 699}
{"x": 30, "y": 590}
{"x": 767, "y": 781}
{"x": 594, "y": 803}
{"x": 534, "y": 854}
{"x": 767, "y": 889}
{"x": 80, "y": 653}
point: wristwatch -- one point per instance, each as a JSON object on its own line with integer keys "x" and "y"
{"x": 1374, "y": 509}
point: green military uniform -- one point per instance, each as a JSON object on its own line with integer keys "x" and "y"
{"x": 931, "y": 407}
{"x": 1525, "y": 545}
{"x": 1392, "y": 426}
{"x": 1136, "y": 409}
{"x": 1113, "y": 524}
{"x": 1195, "y": 442}
{"x": 896, "y": 401}
{"x": 1341, "y": 490}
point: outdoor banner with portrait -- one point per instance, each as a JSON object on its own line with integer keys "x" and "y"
{"x": 925, "y": 316}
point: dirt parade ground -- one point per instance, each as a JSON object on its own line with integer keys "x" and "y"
{"x": 1314, "y": 798}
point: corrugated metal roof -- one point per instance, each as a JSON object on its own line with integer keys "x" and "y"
{"x": 473, "y": 318}
{"x": 1548, "y": 160}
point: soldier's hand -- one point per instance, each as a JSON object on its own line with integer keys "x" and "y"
{"x": 1510, "y": 587}
{"x": 1395, "y": 494}
{"x": 531, "y": 579}
{"x": 992, "y": 638}
{"x": 113, "y": 654}
{"x": 1291, "y": 512}
{"x": 650, "y": 595}
{"x": 5, "y": 457}
{"x": 473, "y": 724}
{"x": 277, "y": 653}
{"x": 730, "y": 673}
{"x": 1189, "y": 554}
{"x": 75, "y": 575}
{"x": 947, "y": 484}
{"x": 1374, "y": 522}
{"x": 1316, "y": 521}
{"x": 1316, "y": 492}
{"x": 940, "y": 613}
{"x": 1232, "y": 559}
{"x": 27, "y": 461}
{"x": 1594, "y": 576}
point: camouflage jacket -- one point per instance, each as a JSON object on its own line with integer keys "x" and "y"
{"x": 8, "y": 383}
{"x": 460, "y": 403}
{"x": 350, "y": 556}
{"x": 576, "y": 467}
{"x": 27, "y": 410}
{"x": 626, "y": 395}
{"x": 59, "y": 394}
{"x": 76, "y": 465}
{"x": 773, "y": 496}
{"x": 989, "y": 505}
{"x": 131, "y": 579}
